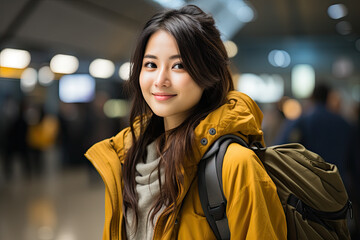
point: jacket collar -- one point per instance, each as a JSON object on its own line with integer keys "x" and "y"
{"x": 240, "y": 115}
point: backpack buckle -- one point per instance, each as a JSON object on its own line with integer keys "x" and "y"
{"x": 257, "y": 146}
{"x": 218, "y": 211}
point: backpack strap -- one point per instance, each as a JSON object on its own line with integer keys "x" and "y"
{"x": 211, "y": 193}
{"x": 314, "y": 215}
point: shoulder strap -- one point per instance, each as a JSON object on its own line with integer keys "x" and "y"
{"x": 211, "y": 194}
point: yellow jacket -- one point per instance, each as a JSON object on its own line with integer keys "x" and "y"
{"x": 253, "y": 209}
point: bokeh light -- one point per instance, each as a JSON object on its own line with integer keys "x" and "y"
{"x": 14, "y": 58}
{"x": 28, "y": 80}
{"x": 343, "y": 28}
{"x": 231, "y": 48}
{"x": 114, "y": 108}
{"x": 302, "y": 80}
{"x": 65, "y": 64}
{"x": 124, "y": 71}
{"x": 292, "y": 109}
{"x": 279, "y": 58}
{"x": 343, "y": 67}
{"x": 76, "y": 88}
{"x": 263, "y": 88}
{"x": 46, "y": 76}
{"x": 101, "y": 68}
{"x": 337, "y": 11}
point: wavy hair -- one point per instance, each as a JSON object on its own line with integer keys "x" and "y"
{"x": 205, "y": 59}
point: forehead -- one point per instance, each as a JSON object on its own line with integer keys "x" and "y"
{"x": 161, "y": 41}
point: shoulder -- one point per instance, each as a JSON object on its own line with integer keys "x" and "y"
{"x": 252, "y": 199}
{"x": 110, "y": 150}
{"x": 240, "y": 156}
{"x": 242, "y": 165}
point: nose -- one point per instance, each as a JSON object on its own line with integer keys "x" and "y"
{"x": 162, "y": 79}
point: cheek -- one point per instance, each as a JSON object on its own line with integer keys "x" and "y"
{"x": 142, "y": 81}
{"x": 192, "y": 86}
{"x": 192, "y": 90}
{"x": 199, "y": 91}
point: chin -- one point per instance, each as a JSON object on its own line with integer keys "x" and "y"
{"x": 159, "y": 114}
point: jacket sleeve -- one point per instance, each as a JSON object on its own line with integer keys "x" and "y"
{"x": 253, "y": 209}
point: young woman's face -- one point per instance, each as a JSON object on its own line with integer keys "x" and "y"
{"x": 166, "y": 86}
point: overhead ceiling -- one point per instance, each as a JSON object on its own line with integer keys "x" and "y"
{"x": 87, "y": 28}
{"x": 108, "y": 28}
{"x": 299, "y": 18}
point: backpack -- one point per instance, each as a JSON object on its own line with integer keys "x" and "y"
{"x": 311, "y": 190}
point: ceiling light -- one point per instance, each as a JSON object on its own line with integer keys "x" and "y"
{"x": 28, "y": 80}
{"x": 124, "y": 71}
{"x": 170, "y": 3}
{"x": 14, "y": 58}
{"x": 264, "y": 88}
{"x": 245, "y": 13}
{"x": 102, "y": 68}
{"x": 302, "y": 80}
{"x": 279, "y": 58}
{"x": 65, "y": 64}
{"x": 46, "y": 76}
{"x": 242, "y": 10}
{"x": 77, "y": 88}
{"x": 337, "y": 11}
{"x": 343, "y": 27}
{"x": 231, "y": 48}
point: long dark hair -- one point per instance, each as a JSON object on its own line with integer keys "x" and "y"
{"x": 204, "y": 57}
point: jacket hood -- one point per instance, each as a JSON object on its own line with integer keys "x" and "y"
{"x": 240, "y": 115}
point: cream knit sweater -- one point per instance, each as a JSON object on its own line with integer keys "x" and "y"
{"x": 148, "y": 189}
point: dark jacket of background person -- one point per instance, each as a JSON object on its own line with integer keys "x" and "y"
{"x": 323, "y": 132}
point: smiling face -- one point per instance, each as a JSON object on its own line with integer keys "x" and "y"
{"x": 167, "y": 87}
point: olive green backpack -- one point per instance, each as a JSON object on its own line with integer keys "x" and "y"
{"x": 311, "y": 190}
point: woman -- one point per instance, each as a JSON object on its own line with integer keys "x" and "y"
{"x": 183, "y": 100}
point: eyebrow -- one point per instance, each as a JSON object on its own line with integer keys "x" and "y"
{"x": 154, "y": 57}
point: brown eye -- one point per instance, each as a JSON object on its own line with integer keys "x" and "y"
{"x": 178, "y": 66}
{"x": 150, "y": 65}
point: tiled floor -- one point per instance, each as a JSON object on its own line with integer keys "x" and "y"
{"x": 59, "y": 205}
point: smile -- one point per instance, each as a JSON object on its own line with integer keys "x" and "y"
{"x": 163, "y": 96}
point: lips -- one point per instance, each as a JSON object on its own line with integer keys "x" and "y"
{"x": 163, "y": 96}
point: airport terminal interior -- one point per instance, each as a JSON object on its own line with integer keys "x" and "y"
{"x": 64, "y": 64}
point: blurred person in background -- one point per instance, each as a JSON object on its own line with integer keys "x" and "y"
{"x": 42, "y": 134}
{"x": 324, "y": 131}
{"x": 183, "y": 100}
{"x": 27, "y": 137}
{"x": 15, "y": 146}
{"x": 75, "y": 132}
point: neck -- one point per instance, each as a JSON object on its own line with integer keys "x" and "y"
{"x": 171, "y": 123}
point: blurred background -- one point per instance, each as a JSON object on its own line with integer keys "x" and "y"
{"x": 63, "y": 64}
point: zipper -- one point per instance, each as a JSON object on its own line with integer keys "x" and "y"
{"x": 158, "y": 220}
{"x": 175, "y": 217}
